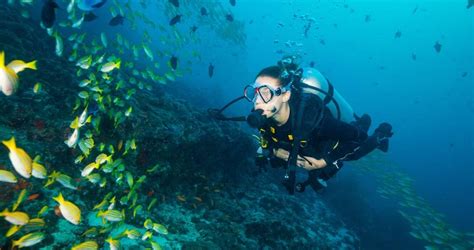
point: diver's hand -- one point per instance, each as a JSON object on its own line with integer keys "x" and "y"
{"x": 309, "y": 164}
{"x": 281, "y": 153}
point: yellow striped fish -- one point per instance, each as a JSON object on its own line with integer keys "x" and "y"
{"x": 15, "y": 218}
{"x": 87, "y": 245}
{"x": 29, "y": 240}
{"x": 7, "y": 176}
{"x": 20, "y": 160}
{"x": 70, "y": 211}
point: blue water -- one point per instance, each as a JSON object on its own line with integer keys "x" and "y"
{"x": 428, "y": 100}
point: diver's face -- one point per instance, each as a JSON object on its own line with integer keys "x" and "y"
{"x": 271, "y": 108}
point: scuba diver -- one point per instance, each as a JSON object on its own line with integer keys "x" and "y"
{"x": 299, "y": 106}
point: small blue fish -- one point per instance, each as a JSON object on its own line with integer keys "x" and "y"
{"x": 118, "y": 19}
{"x": 48, "y": 13}
{"x": 175, "y": 20}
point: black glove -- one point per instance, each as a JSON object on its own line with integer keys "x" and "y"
{"x": 382, "y": 133}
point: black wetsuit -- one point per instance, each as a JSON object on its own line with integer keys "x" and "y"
{"x": 333, "y": 140}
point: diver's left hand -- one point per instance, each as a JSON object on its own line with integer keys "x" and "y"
{"x": 310, "y": 163}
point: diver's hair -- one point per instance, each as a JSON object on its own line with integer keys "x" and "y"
{"x": 276, "y": 72}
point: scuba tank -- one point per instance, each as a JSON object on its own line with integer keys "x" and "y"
{"x": 313, "y": 82}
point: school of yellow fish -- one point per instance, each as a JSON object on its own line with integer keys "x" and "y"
{"x": 109, "y": 83}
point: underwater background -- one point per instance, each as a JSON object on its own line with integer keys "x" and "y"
{"x": 149, "y": 168}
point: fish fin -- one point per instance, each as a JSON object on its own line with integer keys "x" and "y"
{"x": 75, "y": 124}
{"x": 2, "y": 59}
{"x": 4, "y": 211}
{"x": 15, "y": 243}
{"x": 10, "y": 144}
{"x": 59, "y": 198}
{"x": 118, "y": 64}
{"x": 31, "y": 65}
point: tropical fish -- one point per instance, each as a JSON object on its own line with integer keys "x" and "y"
{"x": 91, "y": 232}
{"x": 131, "y": 234}
{"x": 232, "y": 2}
{"x": 154, "y": 245}
{"x": 37, "y": 88}
{"x": 19, "y": 65}
{"x": 111, "y": 215}
{"x": 8, "y": 73}
{"x": 20, "y": 160}
{"x": 85, "y": 62}
{"x": 203, "y": 11}
{"x": 89, "y": 168}
{"x": 114, "y": 244}
{"x": 136, "y": 210}
{"x": 437, "y": 46}
{"x": 118, "y": 19}
{"x": 160, "y": 228}
{"x": 89, "y": 17}
{"x": 148, "y": 52}
{"x": 174, "y": 62}
{"x": 398, "y": 34}
{"x": 48, "y": 13}
{"x": 15, "y": 218}
{"x": 470, "y": 3}
{"x": 20, "y": 199}
{"x": 87, "y": 245}
{"x": 94, "y": 178}
{"x": 210, "y": 70}
{"x": 175, "y": 20}
{"x": 110, "y": 66}
{"x": 65, "y": 180}
{"x": 42, "y": 211}
{"x": 70, "y": 211}
{"x": 103, "y": 38}
{"x": 13, "y": 230}
{"x": 59, "y": 44}
{"x": 73, "y": 138}
{"x": 152, "y": 203}
{"x": 35, "y": 224}
{"x": 367, "y": 18}
{"x": 78, "y": 23}
{"x": 88, "y": 5}
{"x": 147, "y": 235}
{"x": 229, "y": 17}
{"x": 38, "y": 170}
{"x": 112, "y": 203}
{"x": 28, "y": 240}
{"x": 83, "y": 118}
{"x": 7, "y": 176}
{"x": 148, "y": 224}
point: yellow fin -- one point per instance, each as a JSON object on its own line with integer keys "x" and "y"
{"x": 10, "y": 144}
{"x": 75, "y": 123}
{"x": 4, "y": 212}
{"x": 59, "y": 198}
{"x": 2, "y": 59}
{"x": 31, "y": 65}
